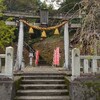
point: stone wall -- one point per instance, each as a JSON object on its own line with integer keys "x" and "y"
{"x": 85, "y": 88}
{"x": 8, "y": 87}
{"x": 5, "y": 88}
{"x": 16, "y": 85}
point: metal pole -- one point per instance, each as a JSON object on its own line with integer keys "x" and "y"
{"x": 66, "y": 45}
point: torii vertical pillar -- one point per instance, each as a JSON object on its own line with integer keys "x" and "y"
{"x": 20, "y": 46}
{"x": 66, "y": 45}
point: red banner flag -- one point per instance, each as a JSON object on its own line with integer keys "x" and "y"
{"x": 56, "y": 57}
{"x": 36, "y": 57}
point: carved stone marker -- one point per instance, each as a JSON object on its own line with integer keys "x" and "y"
{"x": 75, "y": 63}
{"x": 9, "y": 62}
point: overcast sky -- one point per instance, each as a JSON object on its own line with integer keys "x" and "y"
{"x": 54, "y": 3}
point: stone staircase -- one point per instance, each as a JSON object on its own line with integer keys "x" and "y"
{"x": 42, "y": 86}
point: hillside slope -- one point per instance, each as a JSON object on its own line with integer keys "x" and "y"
{"x": 46, "y": 48}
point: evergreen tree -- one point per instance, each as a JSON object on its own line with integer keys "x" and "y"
{"x": 6, "y": 32}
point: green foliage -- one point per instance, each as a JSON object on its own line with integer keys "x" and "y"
{"x": 10, "y": 19}
{"x": 2, "y": 7}
{"x": 6, "y": 34}
{"x": 44, "y": 5}
{"x": 23, "y": 5}
{"x": 27, "y": 5}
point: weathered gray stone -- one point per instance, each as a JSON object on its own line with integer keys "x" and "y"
{"x": 85, "y": 88}
{"x": 5, "y": 88}
{"x": 8, "y": 87}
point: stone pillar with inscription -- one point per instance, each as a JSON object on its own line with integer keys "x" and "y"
{"x": 9, "y": 62}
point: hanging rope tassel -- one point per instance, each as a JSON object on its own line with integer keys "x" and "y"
{"x": 31, "y": 30}
{"x": 56, "y": 32}
{"x": 43, "y": 34}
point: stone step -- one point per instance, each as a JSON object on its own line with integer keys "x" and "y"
{"x": 51, "y": 92}
{"x": 44, "y": 73}
{"x": 42, "y": 98}
{"x": 43, "y": 81}
{"x": 43, "y": 86}
{"x": 43, "y": 77}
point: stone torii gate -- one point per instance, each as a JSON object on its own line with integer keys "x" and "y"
{"x": 19, "y": 59}
{"x": 18, "y": 63}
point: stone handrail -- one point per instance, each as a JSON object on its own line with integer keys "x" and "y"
{"x": 76, "y": 57}
{"x": 2, "y": 56}
{"x": 89, "y": 57}
{"x": 8, "y": 70}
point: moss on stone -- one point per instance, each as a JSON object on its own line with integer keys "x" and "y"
{"x": 67, "y": 82}
{"x": 92, "y": 87}
{"x": 17, "y": 83}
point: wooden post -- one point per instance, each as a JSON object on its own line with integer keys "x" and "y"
{"x": 66, "y": 45}
{"x": 86, "y": 66}
{"x": 94, "y": 65}
{"x": 9, "y": 62}
{"x": 75, "y": 63}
